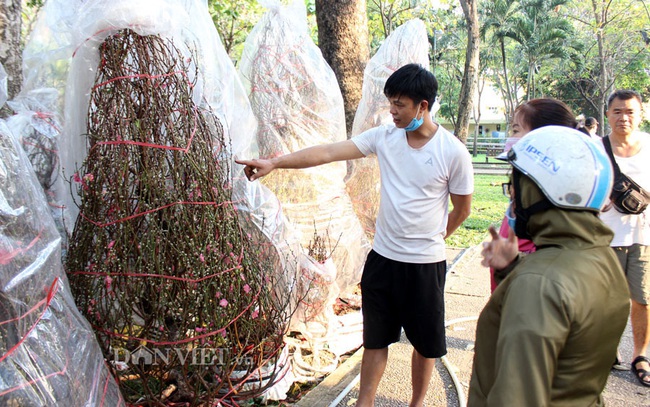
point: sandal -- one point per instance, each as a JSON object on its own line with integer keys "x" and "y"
{"x": 618, "y": 363}
{"x": 641, "y": 374}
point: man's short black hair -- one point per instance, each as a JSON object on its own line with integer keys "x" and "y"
{"x": 624, "y": 94}
{"x": 412, "y": 81}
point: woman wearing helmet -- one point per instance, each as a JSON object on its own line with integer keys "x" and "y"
{"x": 528, "y": 116}
{"x": 550, "y": 330}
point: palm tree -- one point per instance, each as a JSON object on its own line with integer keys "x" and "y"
{"x": 542, "y": 34}
{"x": 498, "y": 17}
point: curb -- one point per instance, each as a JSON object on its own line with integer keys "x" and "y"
{"x": 335, "y": 384}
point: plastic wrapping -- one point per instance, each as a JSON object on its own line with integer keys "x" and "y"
{"x": 38, "y": 127}
{"x": 407, "y": 44}
{"x": 297, "y": 101}
{"x": 48, "y": 352}
{"x": 63, "y": 46}
{"x": 280, "y": 372}
{"x": 3, "y": 85}
{"x": 63, "y": 54}
{"x": 319, "y": 291}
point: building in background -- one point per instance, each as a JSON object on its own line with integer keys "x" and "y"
{"x": 490, "y": 131}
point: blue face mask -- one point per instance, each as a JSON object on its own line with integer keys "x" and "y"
{"x": 415, "y": 123}
{"x": 510, "y": 216}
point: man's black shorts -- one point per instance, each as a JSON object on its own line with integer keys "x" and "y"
{"x": 395, "y": 295}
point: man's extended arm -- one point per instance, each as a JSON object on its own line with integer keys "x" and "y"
{"x": 462, "y": 208}
{"x": 305, "y": 158}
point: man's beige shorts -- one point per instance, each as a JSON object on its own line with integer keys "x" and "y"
{"x": 635, "y": 261}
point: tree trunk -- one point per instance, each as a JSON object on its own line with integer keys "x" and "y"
{"x": 470, "y": 75}
{"x": 604, "y": 86}
{"x": 510, "y": 102}
{"x": 10, "y": 52}
{"x": 343, "y": 40}
{"x": 477, "y": 119}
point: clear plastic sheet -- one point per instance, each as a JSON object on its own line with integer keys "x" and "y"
{"x": 38, "y": 127}
{"x": 407, "y": 44}
{"x": 3, "y": 85}
{"x": 62, "y": 54}
{"x": 296, "y": 100}
{"x": 319, "y": 291}
{"x": 295, "y": 97}
{"x": 49, "y": 354}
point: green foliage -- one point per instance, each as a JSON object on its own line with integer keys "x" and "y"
{"x": 539, "y": 50}
{"x": 449, "y": 74}
{"x": 488, "y": 207}
{"x": 384, "y": 16}
{"x": 613, "y": 54}
{"x": 480, "y": 159}
{"x": 637, "y": 74}
{"x": 448, "y": 38}
{"x": 29, "y": 12}
{"x": 542, "y": 36}
{"x": 234, "y": 19}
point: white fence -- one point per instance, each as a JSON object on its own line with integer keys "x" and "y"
{"x": 490, "y": 146}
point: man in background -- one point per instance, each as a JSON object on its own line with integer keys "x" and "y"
{"x": 591, "y": 124}
{"x": 631, "y": 149}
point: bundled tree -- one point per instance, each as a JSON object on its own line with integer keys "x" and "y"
{"x": 48, "y": 352}
{"x": 174, "y": 284}
{"x": 37, "y": 126}
{"x": 294, "y": 95}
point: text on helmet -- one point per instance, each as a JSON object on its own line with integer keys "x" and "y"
{"x": 542, "y": 159}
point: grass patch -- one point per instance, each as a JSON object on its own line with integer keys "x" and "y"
{"x": 488, "y": 206}
{"x": 480, "y": 159}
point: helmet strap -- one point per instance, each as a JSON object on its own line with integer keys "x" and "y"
{"x": 523, "y": 214}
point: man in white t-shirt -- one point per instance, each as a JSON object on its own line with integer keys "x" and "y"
{"x": 631, "y": 150}
{"x": 422, "y": 167}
